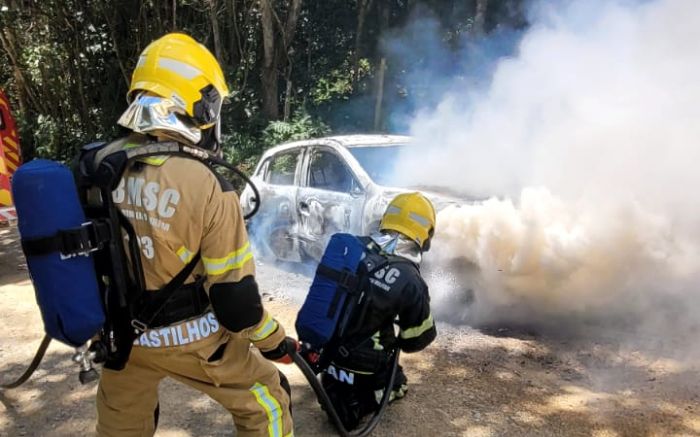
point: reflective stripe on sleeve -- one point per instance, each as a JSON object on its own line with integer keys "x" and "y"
{"x": 267, "y": 329}
{"x": 185, "y": 254}
{"x": 232, "y": 261}
{"x": 272, "y": 409}
{"x": 417, "y": 331}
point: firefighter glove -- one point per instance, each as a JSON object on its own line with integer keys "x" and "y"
{"x": 281, "y": 354}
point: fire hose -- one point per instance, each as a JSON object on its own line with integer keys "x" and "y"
{"x": 38, "y": 356}
{"x": 326, "y": 403}
{"x": 300, "y": 362}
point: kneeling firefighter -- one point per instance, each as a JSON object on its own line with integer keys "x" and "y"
{"x": 362, "y": 288}
{"x": 185, "y": 304}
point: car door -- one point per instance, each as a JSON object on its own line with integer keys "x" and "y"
{"x": 276, "y": 228}
{"x": 330, "y": 199}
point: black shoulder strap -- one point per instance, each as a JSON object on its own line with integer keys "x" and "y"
{"x": 103, "y": 164}
{"x": 146, "y": 313}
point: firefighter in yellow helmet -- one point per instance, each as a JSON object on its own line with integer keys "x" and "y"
{"x": 356, "y": 377}
{"x": 182, "y": 211}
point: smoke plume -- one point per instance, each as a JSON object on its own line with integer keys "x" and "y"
{"x": 586, "y": 143}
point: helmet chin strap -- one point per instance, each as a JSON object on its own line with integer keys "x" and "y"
{"x": 210, "y": 138}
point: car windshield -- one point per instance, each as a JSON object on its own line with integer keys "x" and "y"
{"x": 379, "y": 162}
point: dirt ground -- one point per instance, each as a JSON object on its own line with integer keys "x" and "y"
{"x": 499, "y": 381}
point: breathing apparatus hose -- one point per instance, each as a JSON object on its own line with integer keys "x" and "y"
{"x": 328, "y": 405}
{"x": 218, "y": 161}
{"x": 204, "y": 155}
{"x": 32, "y": 367}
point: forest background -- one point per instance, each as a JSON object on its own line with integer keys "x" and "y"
{"x": 297, "y": 68}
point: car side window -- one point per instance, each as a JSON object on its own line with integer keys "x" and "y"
{"x": 282, "y": 167}
{"x": 328, "y": 172}
{"x": 263, "y": 169}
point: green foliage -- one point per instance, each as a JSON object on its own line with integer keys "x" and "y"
{"x": 67, "y": 63}
{"x": 242, "y": 149}
{"x": 300, "y": 127}
{"x": 338, "y": 84}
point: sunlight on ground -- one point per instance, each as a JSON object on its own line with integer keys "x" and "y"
{"x": 478, "y": 431}
{"x": 461, "y": 372}
{"x": 200, "y": 403}
{"x": 12, "y": 287}
{"x": 692, "y": 423}
{"x": 416, "y": 363}
{"x": 69, "y": 427}
{"x": 575, "y": 399}
{"x": 528, "y": 418}
{"x": 514, "y": 346}
{"x": 670, "y": 408}
{"x": 505, "y": 376}
{"x": 628, "y": 401}
{"x": 172, "y": 433}
{"x": 641, "y": 360}
{"x": 471, "y": 430}
{"x": 84, "y": 394}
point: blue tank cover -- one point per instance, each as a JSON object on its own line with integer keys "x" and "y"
{"x": 319, "y": 316}
{"x": 46, "y": 200}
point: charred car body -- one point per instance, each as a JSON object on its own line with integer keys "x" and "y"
{"x": 313, "y": 188}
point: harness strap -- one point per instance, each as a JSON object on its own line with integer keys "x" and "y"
{"x": 187, "y": 302}
{"x": 148, "y": 306}
{"x": 344, "y": 278}
{"x": 86, "y": 238}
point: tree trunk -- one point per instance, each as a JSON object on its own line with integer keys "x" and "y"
{"x": 213, "y": 8}
{"x": 113, "y": 34}
{"x": 233, "y": 49}
{"x": 379, "y": 79}
{"x": 268, "y": 74}
{"x": 285, "y": 53}
{"x": 363, "y": 8}
{"x": 288, "y": 100}
{"x": 174, "y": 27}
{"x": 292, "y": 19}
{"x": 480, "y": 17}
{"x": 379, "y": 95}
{"x": 274, "y": 53}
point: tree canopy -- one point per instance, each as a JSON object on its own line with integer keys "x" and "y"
{"x": 297, "y": 68}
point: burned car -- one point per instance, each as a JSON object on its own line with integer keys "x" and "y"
{"x": 313, "y": 188}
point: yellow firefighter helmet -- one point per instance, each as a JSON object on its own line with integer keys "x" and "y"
{"x": 178, "y": 68}
{"x": 413, "y": 215}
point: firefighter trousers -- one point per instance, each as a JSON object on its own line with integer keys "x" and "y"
{"x": 224, "y": 367}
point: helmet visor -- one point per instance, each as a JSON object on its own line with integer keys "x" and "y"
{"x": 156, "y": 115}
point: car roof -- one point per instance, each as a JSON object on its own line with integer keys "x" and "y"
{"x": 367, "y": 140}
{"x": 346, "y": 141}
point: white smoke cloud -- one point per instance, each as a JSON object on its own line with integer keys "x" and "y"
{"x": 589, "y": 137}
